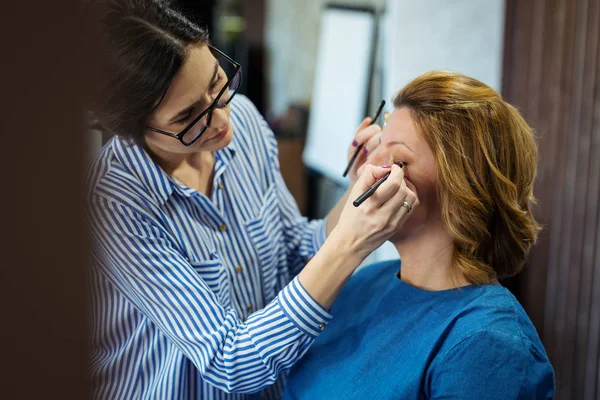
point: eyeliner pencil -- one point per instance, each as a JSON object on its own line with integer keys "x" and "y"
{"x": 359, "y": 148}
{"x": 369, "y": 192}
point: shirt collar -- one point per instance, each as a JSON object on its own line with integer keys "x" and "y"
{"x": 159, "y": 184}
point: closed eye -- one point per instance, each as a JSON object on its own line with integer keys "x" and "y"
{"x": 185, "y": 117}
{"x": 216, "y": 83}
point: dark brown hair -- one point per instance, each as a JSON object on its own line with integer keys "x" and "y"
{"x": 146, "y": 43}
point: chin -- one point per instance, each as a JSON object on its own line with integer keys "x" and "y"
{"x": 218, "y": 143}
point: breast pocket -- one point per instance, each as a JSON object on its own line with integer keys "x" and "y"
{"x": 265, "y": 231}
{"x": 213, "y": 273}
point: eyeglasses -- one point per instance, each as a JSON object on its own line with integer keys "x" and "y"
{"x": 199, "y": 125}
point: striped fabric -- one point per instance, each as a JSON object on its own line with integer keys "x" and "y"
{"x": 195, "y": 297}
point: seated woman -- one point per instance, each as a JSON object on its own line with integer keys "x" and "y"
{"x": 439, "y": 325}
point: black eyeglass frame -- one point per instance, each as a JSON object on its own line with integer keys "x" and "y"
{"x": 179, "y": 136}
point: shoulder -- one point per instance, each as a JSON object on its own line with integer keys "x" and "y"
{"x": 492, "y": 340}
{"x": 244, "y": 109}
{"x": 97, "y": 168}
{"x": 246, "y": 116}
{"x": 492, "y": 364}
{"x": 108, "y": 183}
{"x": 492, "y": 312}
{"x": 494, "y": 308}
{"x": 251, "y": 127}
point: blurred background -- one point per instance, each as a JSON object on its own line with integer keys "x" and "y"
{"x": 314, "y": 70}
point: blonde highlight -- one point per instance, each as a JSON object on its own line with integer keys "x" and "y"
{"x": 486, "y": 156}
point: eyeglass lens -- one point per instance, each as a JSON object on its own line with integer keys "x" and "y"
{"x": 203, "y": 123}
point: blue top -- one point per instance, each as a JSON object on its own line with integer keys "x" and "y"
{"x": 390, "y": 340}
{"x": 194, "y": 296}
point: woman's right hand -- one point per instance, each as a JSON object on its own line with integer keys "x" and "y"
{"x": 368, "y": 226}
{"x": 359, "y": 231}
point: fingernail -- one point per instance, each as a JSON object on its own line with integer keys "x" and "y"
{"x": 365, "y": 151}
{"x": 387, "y": 166}
{"x": 354, "y": 143}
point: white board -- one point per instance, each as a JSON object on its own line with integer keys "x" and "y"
{"x": 464, "y": 36}
{"x": 340, "y": 89}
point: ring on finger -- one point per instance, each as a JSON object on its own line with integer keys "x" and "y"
{"x": 407, "y": 206}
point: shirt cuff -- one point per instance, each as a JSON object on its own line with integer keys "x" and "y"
{"x": 308, "y": 315}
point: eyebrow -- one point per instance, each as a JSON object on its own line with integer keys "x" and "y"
{"x": 393, "y": 143}
{"x": 191, "y": 107}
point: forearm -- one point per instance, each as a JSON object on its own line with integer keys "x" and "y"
{"x": 325, "y": 275}
{"x": 336, "y": 211}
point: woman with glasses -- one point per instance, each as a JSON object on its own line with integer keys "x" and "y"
{"x": 206, "y": 280}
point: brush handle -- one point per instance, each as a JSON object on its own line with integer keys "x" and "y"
{"x": 369, "y": 192}
{"x": 356, "y": 153}
{"x": 359, "y": 148}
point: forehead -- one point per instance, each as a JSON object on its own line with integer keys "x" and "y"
{"x": 199, "y": 64}
{"x": 192, "y": 80}
{"x": 400, "y": 126}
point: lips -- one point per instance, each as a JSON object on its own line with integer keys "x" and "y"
{"x": 220, "y": 135}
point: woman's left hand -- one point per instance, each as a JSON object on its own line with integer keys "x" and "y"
{"x": 370, "y": 137}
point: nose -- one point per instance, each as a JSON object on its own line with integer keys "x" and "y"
{"x": 220, "y": 118}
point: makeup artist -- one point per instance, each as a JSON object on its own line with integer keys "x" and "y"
{"x": 206, "y": 281}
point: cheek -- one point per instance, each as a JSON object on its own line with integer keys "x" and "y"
{"x": 425, "y": 182}
{"x": 166, "y": 143}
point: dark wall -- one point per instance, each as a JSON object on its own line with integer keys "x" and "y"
{"x": 552, "y": 73}
{"x": 45, "y": 55}
{"x": 201, "y": 11}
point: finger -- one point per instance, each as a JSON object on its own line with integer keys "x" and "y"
{"x": 360, "y": 158}
{"x": 365, "y": 134}
{"x": 390, "y": 188}
{"x": 396, "y": 207}
{"x": 370, "y": 174}
{"x": 367, "y": 155}
{"x": 372, "y": 158}
{"x": 364, "y": 124}
{"x": 372, "y": 143}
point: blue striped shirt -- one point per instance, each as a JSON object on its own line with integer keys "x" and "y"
{"x": 195, "y": 296}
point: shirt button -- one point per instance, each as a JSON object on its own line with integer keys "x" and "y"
{"x": 249, "y": 308}
{"x": 238, "y": 269}
{"x": 221, "y": 186}
{"x": 321, "y": 326}
{"x": 223, "y": 227}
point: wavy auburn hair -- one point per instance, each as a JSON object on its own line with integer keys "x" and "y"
{"x": 486, "y": 156}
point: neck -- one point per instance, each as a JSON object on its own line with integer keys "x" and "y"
{"x": 427, "y": 258}
{"x": 173, "y": 162}
{"x": 194, "y": 170}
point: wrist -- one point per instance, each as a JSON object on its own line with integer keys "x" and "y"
{"x": 342, "y": 248}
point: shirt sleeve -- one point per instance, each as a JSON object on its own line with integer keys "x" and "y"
{"x": 302, "y": 238}
{"x": 143, "y": 263}
{"x": 492, "y": 366}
